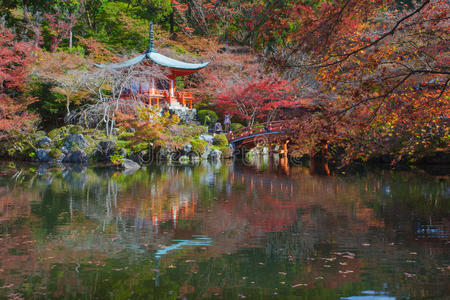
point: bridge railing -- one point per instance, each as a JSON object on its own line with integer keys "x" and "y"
{"x": 276, "y": 126}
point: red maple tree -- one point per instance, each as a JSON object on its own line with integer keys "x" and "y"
{"x": 14, "y": 59}
{"x": 258, "y": 99}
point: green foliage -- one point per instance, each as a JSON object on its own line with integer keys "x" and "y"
{"x": 220, "y": 140}
{"x": 207, "y": 116}
{"x": 198, "y": 145}
{"x": 17, "y": 145}
{"x": 116, "y": 159}
{"x": 55, "y": 153}
{"x": 50, "y": 105}
{"x": 124, "y": 25}
{"x": 236, "y": 126}
{"x": 76, "y": 129}
{"x": 141, "y": 146}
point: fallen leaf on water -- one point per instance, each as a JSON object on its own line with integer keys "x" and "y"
{"x": 299, "y": 284}
{"x": 283, "y": 283}
{"x": 343, "y": 263}
{"x": 409, "y": 275}
{"x": 172, "y": 267}
{"x": 365, "y": 244}
{"x": 261, "y": 263}
{"x": 413, "y": 253}
{"x": 282, "y": 273}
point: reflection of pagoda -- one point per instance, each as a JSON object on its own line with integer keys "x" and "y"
{"x": 160, "y": 90}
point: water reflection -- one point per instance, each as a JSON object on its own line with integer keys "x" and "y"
{"x": 221, "y": 230}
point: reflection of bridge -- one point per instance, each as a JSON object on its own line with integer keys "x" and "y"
{"x": 267, "y": 133}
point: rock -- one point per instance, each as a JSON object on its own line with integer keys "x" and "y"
{"x": 59, "y": 158}
{"x": 166, "y": 154}
{"x": 215, "y": 154}
{"x": 186, "y": 115}
{"x": 43, "y": 155}
{"x": 76, "y": 157}
{"x": 130, "y": 165}
{"x": 206, "y": 153}
{"x": 64, "y": 150}
{"x": 77, "y": 140}
{"x": 194, "y": 158}
{"x": 207, "y": 138}
{"x": 104, "y": 150}
{"x": 45, "y": 141}
{"x": 187, "y": 148}
{"x": 184, "y": 159}
{"x": 437, "y": 158}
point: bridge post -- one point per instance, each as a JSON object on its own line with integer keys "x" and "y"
{"x": 285, "y": 149}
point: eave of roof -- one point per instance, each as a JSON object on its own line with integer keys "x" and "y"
{"x": 156, "y": 58}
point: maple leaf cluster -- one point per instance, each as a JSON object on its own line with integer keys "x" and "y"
{"x": 15, "y": 57}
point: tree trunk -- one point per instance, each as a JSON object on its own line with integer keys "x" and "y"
{"x": 67, "y": 107}
{"x": 70, "y": 39}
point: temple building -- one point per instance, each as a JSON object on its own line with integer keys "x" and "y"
{"x": 157, "y": 91}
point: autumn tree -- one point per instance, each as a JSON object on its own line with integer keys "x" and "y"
{"x": 15, "y": 57}
{"x": 381, "y": 75}
{"x": 258, "y": 99}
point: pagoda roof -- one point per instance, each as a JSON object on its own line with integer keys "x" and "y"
{"x": 156, "y": 58}
{"x": 159, "y": 59}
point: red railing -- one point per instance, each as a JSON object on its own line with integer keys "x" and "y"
{"x": 281, "y": 127}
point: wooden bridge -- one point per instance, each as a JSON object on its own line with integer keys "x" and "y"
{"x": 277, "y": 132}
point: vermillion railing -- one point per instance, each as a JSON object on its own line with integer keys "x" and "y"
{"x": 276, "y": 127}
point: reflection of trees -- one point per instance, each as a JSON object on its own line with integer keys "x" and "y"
{"x": 90, "y": 221}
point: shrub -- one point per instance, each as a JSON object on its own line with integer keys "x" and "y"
{"x": 220, "y": 140}
{"x": 204, "y": 114}
{"x": 236, "y": 126}
{"x": 227, "y": 152}
{"x": 116, "y": 159}
{"x": 76, "y": 129}
{"x": 198, "y": 146}
{"x": 55, "y": 133}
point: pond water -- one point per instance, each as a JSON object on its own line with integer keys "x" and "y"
{"x": 222, "y": 231}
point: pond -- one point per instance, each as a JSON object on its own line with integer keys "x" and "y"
{"x": 222, "y": 231}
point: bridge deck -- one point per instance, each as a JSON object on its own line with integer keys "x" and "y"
{"x": 269, "y": 128}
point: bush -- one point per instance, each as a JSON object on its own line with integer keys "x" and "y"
{"x": 198, "y": 146}
{"x": 76, "y": 129}
{"x": 116, "y": 159}
{"x": 55, "y": 133}
{"x": 204, "y": 114}
{"x": 227, "y": 152}
{"x": 236, "y": 126}
{"x": 220, "y": 140}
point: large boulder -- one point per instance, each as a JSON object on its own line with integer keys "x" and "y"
{"x": 76, "y": 157}
{"x": 215, "y": 154}
{"x": 105, "y": 149}
{"x": 128, "y": 164}
{"x": 44, "y": 142}
{"x": 187, "y": 148}
{"x": 76, "y": 140}
{"x": 43, "y": 155}
{"x": 205, "y": 154}
{"x": 184, "y": 159}
{"x": 207, "y": 138}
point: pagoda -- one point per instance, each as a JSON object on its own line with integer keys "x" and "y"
{"x": 160, "y": 91}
